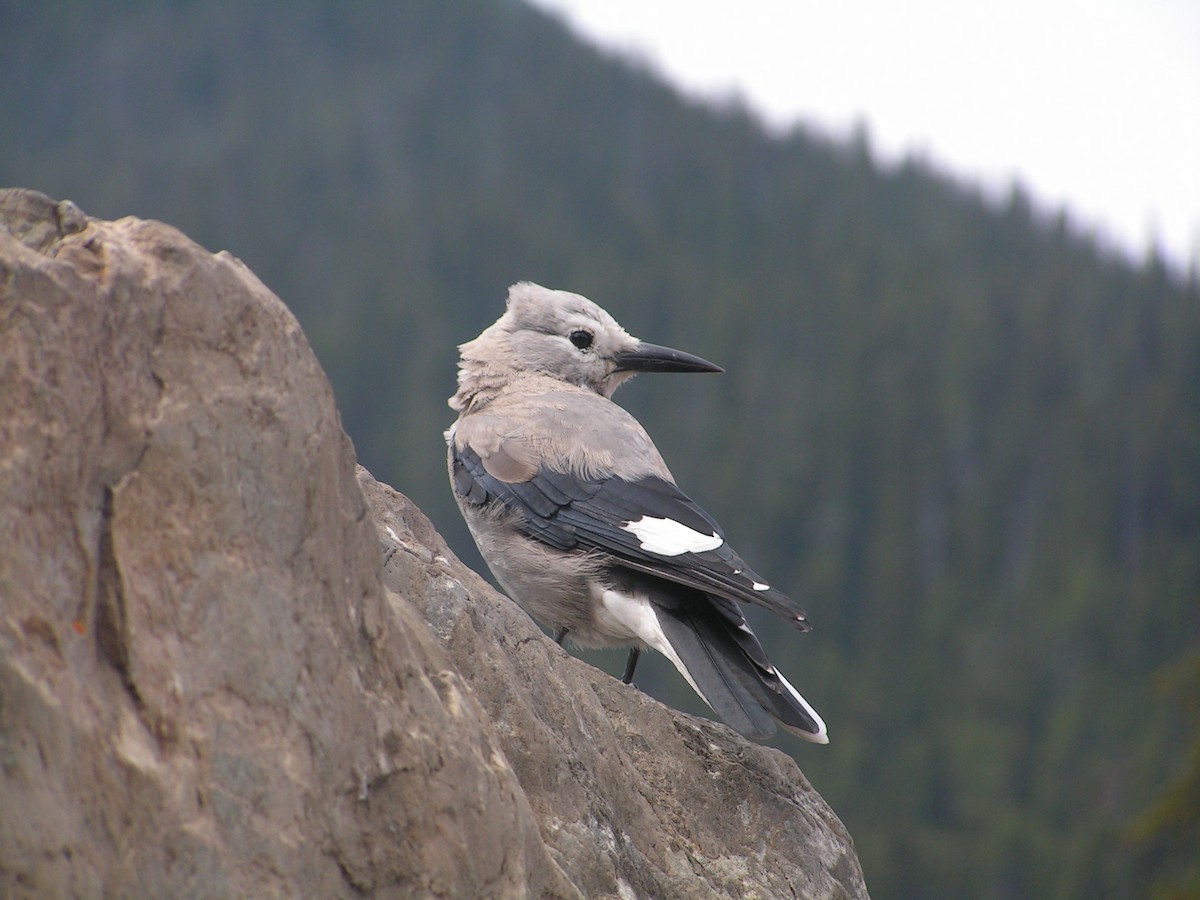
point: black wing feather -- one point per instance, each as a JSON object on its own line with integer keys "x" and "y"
{"x": 573, "y": 513}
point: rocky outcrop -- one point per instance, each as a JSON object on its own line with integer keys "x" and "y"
{"x": 232, "y": 666}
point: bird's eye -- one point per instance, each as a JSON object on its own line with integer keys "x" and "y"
{"x": 581, "y": 339}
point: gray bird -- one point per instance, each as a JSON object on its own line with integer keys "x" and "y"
{"x": 579, "y": 519}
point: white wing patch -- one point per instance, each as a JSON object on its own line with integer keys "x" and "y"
{"x": 759, "y": 586}
{"x": 666, "y": 537}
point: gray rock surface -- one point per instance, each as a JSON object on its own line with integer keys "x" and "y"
{"x": 229, "y": 669}
{"x": 633, "y": 798}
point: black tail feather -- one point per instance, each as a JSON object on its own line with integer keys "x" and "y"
{"x": 715, "y": 673}
{"x": 731, "y": 671}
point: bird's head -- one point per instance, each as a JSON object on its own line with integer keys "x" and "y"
{"x": 567, "y": 337}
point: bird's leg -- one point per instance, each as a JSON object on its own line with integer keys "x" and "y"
{"x": 631, "y": 664}
{"x": 561, "y": 634}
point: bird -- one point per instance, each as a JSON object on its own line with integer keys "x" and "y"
{"x": 579, "y": 519}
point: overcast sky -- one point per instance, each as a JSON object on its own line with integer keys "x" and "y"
{"x": 1093, "y": 105}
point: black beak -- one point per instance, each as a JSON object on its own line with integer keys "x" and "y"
{"x": 653, "y": 358}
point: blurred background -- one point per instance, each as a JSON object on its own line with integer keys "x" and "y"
{"x": 959, "y": 420}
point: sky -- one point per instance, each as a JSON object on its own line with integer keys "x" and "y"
{"x": 1091, "y": 106}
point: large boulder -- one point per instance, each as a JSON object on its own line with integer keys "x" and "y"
{"x": 230, "y": 668}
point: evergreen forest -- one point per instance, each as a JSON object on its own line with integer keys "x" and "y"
{"x": 961, "y": 427}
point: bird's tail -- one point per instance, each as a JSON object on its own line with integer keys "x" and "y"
{"x": 722, "y": 659}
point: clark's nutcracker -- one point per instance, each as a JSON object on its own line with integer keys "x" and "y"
{"x": 582, "y": 524}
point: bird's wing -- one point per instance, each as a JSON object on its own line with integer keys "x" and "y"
{"x": 646, "y": 524}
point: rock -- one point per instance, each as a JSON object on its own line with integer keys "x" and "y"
{"x": 204, "y": 688}
{"x": 214, "y": 683}
{"x": 633, "y": 798}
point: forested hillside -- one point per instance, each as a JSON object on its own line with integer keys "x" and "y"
{"x": 965, "y": 434}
